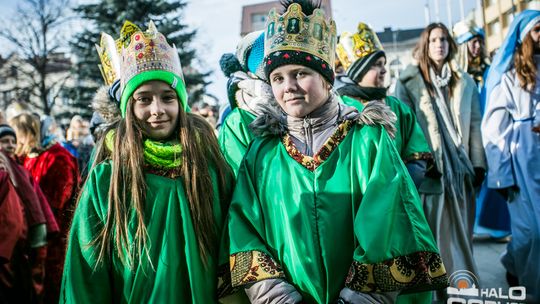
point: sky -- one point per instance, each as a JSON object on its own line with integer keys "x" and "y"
{"x": 218, "y": 24}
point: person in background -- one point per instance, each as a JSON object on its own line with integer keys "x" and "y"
{"x": 79, "y": 143}
{"x": 56, "y": 172}
{"x": 471, "y": 56}
{"x": 492, "y": 217}
{"x": 15, "y": 274}
{"x": 248, "y": 93}
{"x": 363, "y": 60}
{"x": 445, "y": 100}
{"x": 308, "y": 222}
{"x": 38, "y": 217}
{"x": 511, "y": 137}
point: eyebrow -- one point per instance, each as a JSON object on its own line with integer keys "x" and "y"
{"x": 291, "y": 71}
{"x": 150, "y": 92}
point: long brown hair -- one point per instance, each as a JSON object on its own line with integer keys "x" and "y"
{"x": 524, "y": 63}
{"x": 421, "y": 54}
{"x": 27, "y": 127}
{"x": 128, "y": 188}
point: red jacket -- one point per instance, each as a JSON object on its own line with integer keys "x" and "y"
{"x": 57, "y": 174}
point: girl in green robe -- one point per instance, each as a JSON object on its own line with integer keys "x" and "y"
{"x": 148, "y": 221}
{"x": 323, "y": 208}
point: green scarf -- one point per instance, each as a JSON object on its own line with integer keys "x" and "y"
{"x": 165, "y": 155}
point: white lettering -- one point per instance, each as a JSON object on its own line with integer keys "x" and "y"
{"x": 475, "y": 301}
{"x": 484, "y": 292}
{"x": 501, "y": 294}
{"x": 456, "y": 301}
{"x": 492, "y": 293}
{"x": 520, "y": 290}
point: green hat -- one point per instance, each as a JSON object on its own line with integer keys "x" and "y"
{"x": 170, "y": 78}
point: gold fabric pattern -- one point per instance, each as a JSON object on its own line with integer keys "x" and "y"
{"x": 417, "y": 156}
{"x": 415, "y": 272}
{"x": 253, "y": 266}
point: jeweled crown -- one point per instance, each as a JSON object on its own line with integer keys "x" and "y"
{"x": 110, "y": 59}
{"x": 294, "y": 30}
{"x": 352, "y": 47}
{"x": 136, "y": 52}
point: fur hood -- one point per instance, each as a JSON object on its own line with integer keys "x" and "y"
{"x": 107, "y": 108}
{"x": 274, "y": 122}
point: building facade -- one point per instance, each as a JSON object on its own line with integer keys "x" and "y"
{"x": 497, "y": 16}
{"x": 19, "y": 83}
{"x": 254, "y": 16}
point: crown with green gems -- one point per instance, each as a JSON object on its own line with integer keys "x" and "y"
{"x": 293, "y": 30}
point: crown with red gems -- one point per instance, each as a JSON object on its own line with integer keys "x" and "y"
{"x": 136, "y": 52}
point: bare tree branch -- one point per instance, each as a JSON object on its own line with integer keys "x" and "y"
{"x": 36, "y": 34}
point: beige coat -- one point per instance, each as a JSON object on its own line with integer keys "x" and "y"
{"x": 465, "y": 106}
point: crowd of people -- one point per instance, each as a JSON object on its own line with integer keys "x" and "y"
{"x": 315, "y": 184}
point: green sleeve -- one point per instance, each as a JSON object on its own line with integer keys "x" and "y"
{"x": 247, "y": 230}
{"x": 235, "y": 136}
{"x": 396, "y": 250}
{"x": 414, "y": 143}
{"x": 84, "y": 280}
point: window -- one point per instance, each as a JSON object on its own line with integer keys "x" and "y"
{"x": 507, "y": 18}
{"x": 494, "y": 27}
{"x": 258, "y": 21}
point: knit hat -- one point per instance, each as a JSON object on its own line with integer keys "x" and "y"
{"x": 302, "y": 36}
{"x": 6, "y": 130}
{"x": 256, "y": 56}
{"x": 358, "y": 52}
{"x": 229, "y": 64}
{"x": 250, "y": 53}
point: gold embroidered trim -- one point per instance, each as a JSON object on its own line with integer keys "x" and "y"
{"x": 420, "y": 271}
{"x": 419, "y": 155}
{"x": 253, "y": 266}
{"x": 312, "y": 163}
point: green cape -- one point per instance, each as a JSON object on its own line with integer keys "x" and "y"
{"x": 349, "y": 216}
{"x": 235, "y": 136}
{"x": 179, "y": 275}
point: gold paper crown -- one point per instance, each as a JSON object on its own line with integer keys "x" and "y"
{"x": 109, "y": 52}
{"x": 295, "y": 31}
{"x": 136, "y": 52}
{"x": 148, "y": 51}
{"x": 352, "y": 47}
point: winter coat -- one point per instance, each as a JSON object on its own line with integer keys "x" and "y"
{"x": 465, "y": 107}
